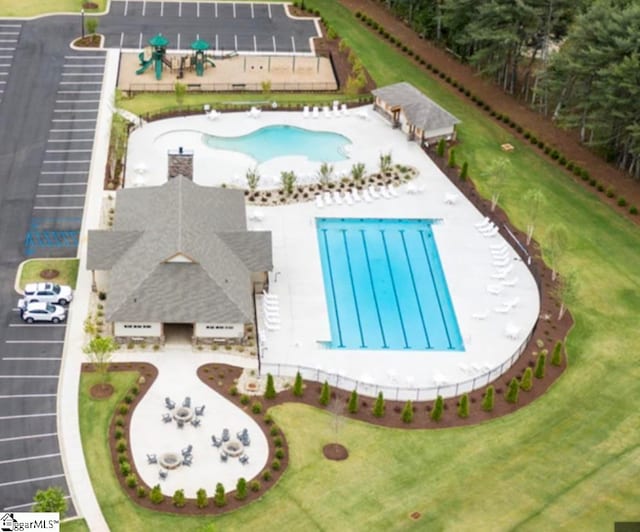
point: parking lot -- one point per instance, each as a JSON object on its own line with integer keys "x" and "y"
{"x": 242, "y": 27}
{"x": 9, "y": 34}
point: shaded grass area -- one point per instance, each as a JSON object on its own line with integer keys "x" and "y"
{"x": 30, "y": 8}
{"x": 570, "y": 461}
{"x": 75, "y": 525}
{"x": 68, "y": 269}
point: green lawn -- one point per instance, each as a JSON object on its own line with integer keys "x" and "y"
{"x": 569, "y": 461}
{"x": 30, "y": 8}
{"x": 31, "y": 269}
{"x": 76, "y": 525}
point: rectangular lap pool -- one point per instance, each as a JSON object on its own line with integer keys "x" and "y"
{"x": 384, "y": 285}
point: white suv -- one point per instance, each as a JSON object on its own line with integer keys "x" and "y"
{"x": 48, "y": 293}
{"x": 32, "y": 311}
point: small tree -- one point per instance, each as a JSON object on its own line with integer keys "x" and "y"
{"x": 353, "y": 402}
{"x": 512, "y": 392}
{"x": 179, "y": 499}
{"x": 488, "y": 399}
{"x": 288, "y": 180}
{"x": 464, "y": 173}
{"x": 241, "y": 489}
{"x": 156, "y": 496}
{"x": 533, "y": 200}
{"x": 565, "y": 291}
{"x": 527, "y": 380}
{"x": 50, "y": 500}
{"x": 497, "y": 173}
{"x": 463, "y": 407}
{"x": 266, "y": 87}
{"x": 202, "y": 501}
{"x": 180, "y": 90}
{"x": 451, "y": 163}
{"x": 100, "y": 351}
{"x": 92, "y": 25}
{"x": 220, "y": 498}
{"x": 253, "y": 178}
{"x": 555, "y": 246}
{"x": 441, "y": 148}
{"x": 378, "y": 407}
{"x": 407, "y": 412}
{"x": 540, "y": 366}
{"x": 325, "y": 394}
{"x": 325, "y": 174}
{"x": 385, "y": 163}
{"x": 270, "y": 391}
{"x": 90, "y": 326}
{"x": 556, "y": 357}
{"x": 298, "y": 385}
{"x": 357, "y": 172}
{"x": 438, "y": 409}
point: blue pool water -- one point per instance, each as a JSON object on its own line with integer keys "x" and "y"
{"x": 385, "y": 286}
{"x": 278, "y": 141}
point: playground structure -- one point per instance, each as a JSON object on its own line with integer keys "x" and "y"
{"x": 156, "y": 55}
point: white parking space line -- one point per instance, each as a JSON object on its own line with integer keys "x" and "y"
{"x": 9, "y": 40}
{"x": 269, "y": 9}
{"x": 235, "y": 40}
{"x": 57, "y": 209}
{"x": 85, "y": 74}
{"x": 82, "y": 82}
{"x": 198, "y": 10}
{"x": 6, "y": 57}
{"x": 144, "y": 8}
{"x": 60, "y": 195}
{"x": 68, "y": 151}
{"x": 293, "y": 44}
{"x": 75, "y": 110}
{"x": 27, "y": 480}
{"x": 140, "y": 41}
{"x": 178, "y": 41}
{"x": 252, "y": 14}
{"x": 31, "y": 342}
{"x": 62, "y": 184}
{"x": 85, "y": 130}
{"x": 126, "y": 6}
{"x": 30, "y": 359}
{"x": 37, "y": 325}
{"x": 7, "y": 48}
{"x": 274, "y": 43}
{"x": 25, "y": 395}
{"x": 83, "y": 57}
{"x": 5, "y": 65}
{"x": 29, "y": 437}
{"x": 48, "y": 414}
{"x": 234, "y": 9}
{"x": 216, "y": 40}
{"x": 255, "y": 44}
{"x": 65, "y": 172}
{"x": 162, "y": 9}
{"x": 25, "y": 505}
{"x": 10, "y": 25}
{"x": 78, "y": 92}
{"x": 77, "y": 101}
{"x": 28, "y": 458}
{"x": 179, "y": 9}
{"x": 95, "y": 65}
{"x": 73, "y": 120}
{"x": 60, "y": 141}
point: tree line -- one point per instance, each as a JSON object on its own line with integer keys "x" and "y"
{"x": 574, "y": 60}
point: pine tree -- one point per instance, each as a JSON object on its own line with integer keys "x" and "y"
{"x": 220, "y": 498}
{"x": 202, "y": 500}
{"x": 463, "y": 407}
{"x": 540, "y": 366}
{"x": 270, "y": 391}
{"x": 297, "y": 385}
{"x": 464, "y": 173}
{"x": 512, "y": 392}
{"x": 556, "y": 357}
{"x": 241, "y": 489}
{"x": 178, "y": 499}
{"x": 526, "y": 382}
{"x": 452, "y": 158}
{"x": 353, "y": 403}
{"x": 488, "y": 399}
{"x": 442, "y": 146}
{"x": 407, "y": 412}
{"x": 325, "y": 394}
{"x": 378, "y": 407}
{"x": 438, "y": 408}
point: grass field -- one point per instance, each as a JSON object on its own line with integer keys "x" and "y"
{"x": 31, "y": 8}
{"x": 76, "y": 525}
{"x": 569, "y": 461}
{"x": 31, "y": 269}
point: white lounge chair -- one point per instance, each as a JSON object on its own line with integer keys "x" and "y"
{"x": 316, "y": 112}
{"x": 366, "y": 196}
{"x": 487, "y": 228}
{"x": 326, "y": 111}
{"x": 392, "y": 190}
{"x": 464, "y": 367}
{"x": 501, "y": 263}
{"x": 482, "y": 224}
{"x": 411, "y": 188}
{"x": 319, "y": 202}
{"x": 348, "y": 199}
{"x": 509, "y": 282}
{"x": 495, "y": 289}
{"x": 305, "y": 112}
{"x": 213, "y": 114}
{"x": 344, "y": 109}
{"x": 384, "y": 193}
{"x": 480, "y": 315}
{"x": 507, "y": 269}
{"x": 498, "y": 247}
{"x": 513, "y": 302}
{"x": 512, "y": 331}
{"x": 501, "y": 309}
{"x": 362, "y": 113}
{"x": 373, "y": 192}
{"x": 337, "y": 198}
{"x": 356, "y": 195}
{"x": 328, "y": 199}
{"x": 491, "y": 233}
{"x": 450, "y": 199}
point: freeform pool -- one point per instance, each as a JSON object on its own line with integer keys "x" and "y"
{"x": 384, "y": 285}
{"x": 280, "y": 140}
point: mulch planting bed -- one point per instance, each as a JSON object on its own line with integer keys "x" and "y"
{"x": 335, "y": 451}
{"x": 101, "y": 391}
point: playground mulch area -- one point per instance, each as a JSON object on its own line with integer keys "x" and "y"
{"x": 566, "y": 142}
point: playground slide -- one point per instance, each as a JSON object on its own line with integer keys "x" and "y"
{"x": 158, "y": 70}
{"x": 144, "y": 65}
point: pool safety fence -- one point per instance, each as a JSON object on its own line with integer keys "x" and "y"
{"x": 288, "y": 86}
{"x": 397, "y": 392}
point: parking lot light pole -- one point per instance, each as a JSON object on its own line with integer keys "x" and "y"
{"x": 82, "y": 21}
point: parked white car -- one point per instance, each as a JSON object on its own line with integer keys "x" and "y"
{"x": 32, "y": 311}
{"x": 48, "y": 293}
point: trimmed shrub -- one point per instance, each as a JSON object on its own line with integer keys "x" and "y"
{"x": 254, "y": 485}
{"x": 274, "y": 431}
{"x": 118, "y": 434}
{"x": 353, "y": 403}
{"x": 141, "y": 492}
{"x": 622, "y": 202}
{"x": 277, "y": 441}
{"x": 233, "y": 390}
{"x": 610, "y": 192}
{"x": 121, "y": 446}
{"x": 527, "y": 135}
{"x": 275, "y": 465}
{"x": 179, "y": 499}
{"x": 556, "y": 357}
{"x": 256, "y": 407}
{"x": 244, "y": 399}
{"x": 600, "y": 187}
{"x": 633, "y": 210}
{"x": 438, "y": 409}
{"x": 123, "y": 410}
{"x": 463, "y": 407}
{"x": 125, "y": 469}
{"x": 325, "y": 394}
{"x": 451, "y": 163}
{"x": 241, "y": 489}
{"x": 407, "y": 412}
{"x": 156, "y": 496}
{"x": 131, "y": 481}
{"x": 585, "y": 173}
{"x": 134, "y": 390}
{"x": 268, "y": 419}
{"x": 220, "y": 498}
{"x": 526, "y": 383}
{"x": 120, "y": 421}
{"x": 562, "y": 160}
{"x": 266, "y": 475}
{"x": 512, "y": 392}
{"x": 202, "y": 501}
{"x": 440, "y": 149}
{"x": 555, "y": 155}
{"x": 488, "y": 399}
{"x": 464, "y": 173}
{"x": 270, "y": 391}
{"x": 378, "y": 407}
{"x": 298, "y": 385}
{"x": 540, "y": 366}
{"x": 279, "y": 454}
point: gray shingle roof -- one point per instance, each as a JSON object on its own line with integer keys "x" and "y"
{"x": 420, "y": 111}
{"x": 154, "y": 224}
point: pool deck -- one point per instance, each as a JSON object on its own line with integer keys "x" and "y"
{"x": 490, "y": 338}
